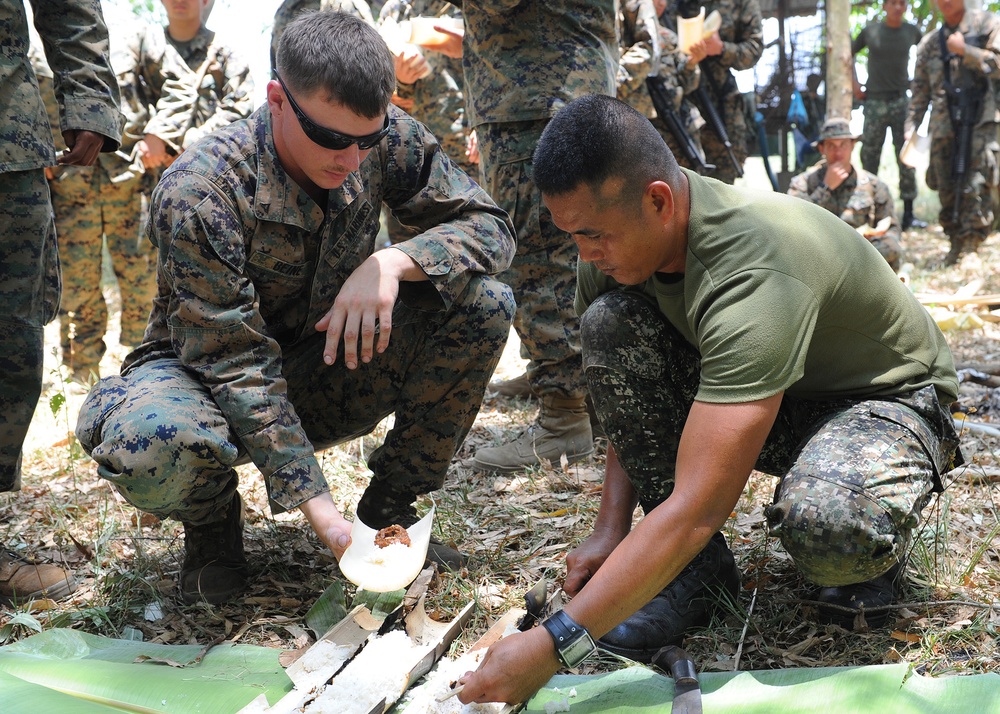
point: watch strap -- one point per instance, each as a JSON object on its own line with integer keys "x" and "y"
{"x": 565, "y": 632}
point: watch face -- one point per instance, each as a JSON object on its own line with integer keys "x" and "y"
{"x": 575, "y": 652}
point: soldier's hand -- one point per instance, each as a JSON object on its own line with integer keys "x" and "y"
{"x": 328, "y": 523}
{"x": 411, "y": 64}
{"x": 584, "y": 560}
{"x": 84, "y": 147}
{"x": 153, "y": 151}
{"x": 836, "y": 174}
{"x": 956, "y": 44}
{"x": 453, "y": 46}
{"x": 362, "y": 310}
{"x": 472, "y": 147}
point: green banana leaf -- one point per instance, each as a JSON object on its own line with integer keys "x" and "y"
{"x": 879, "y": 689}
{"x": 66, "y": 671}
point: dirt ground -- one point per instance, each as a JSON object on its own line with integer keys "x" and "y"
{"x": 517, "y": 530}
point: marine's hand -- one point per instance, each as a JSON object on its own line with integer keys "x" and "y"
{"x": 84, "y": 147}
{"x": 713, "y": 45}
{"x": 956, "y": 44}
{"x": 453, "y": 46}
{"x": 411, "y": 64}
{"x": 584, "y": 560}
{"x": 836, "y": 174}
{"x": 153, "y": 151}
{"x": 331, "y": 527}
{"x": 472, "y": 147}
{"x": 513, "y": 669}
{"x": 362, "y": 311}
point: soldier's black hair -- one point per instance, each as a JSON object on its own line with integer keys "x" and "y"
{"x": 595, "y": 138}
{"x": 341, "y": 56}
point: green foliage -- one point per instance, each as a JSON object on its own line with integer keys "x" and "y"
{"x": 923, "y": 13}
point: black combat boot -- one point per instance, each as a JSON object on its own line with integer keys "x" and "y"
{"x": 686, "y": 603}
{"x": 862, "y": 597}
{"x": 215, "y": 567}
{"x": 909, "y": 221}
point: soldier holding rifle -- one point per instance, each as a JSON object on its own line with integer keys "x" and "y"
{"x": 957, "y": 69}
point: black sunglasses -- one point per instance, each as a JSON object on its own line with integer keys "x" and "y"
{"x": 328, "y": 138}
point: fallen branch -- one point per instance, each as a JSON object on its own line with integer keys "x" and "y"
{"x": 886, "y": 608}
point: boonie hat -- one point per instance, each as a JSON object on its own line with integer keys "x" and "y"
{"x": 836, "y": 128}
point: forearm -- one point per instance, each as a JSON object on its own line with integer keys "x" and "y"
{"x": 618, "y": 499}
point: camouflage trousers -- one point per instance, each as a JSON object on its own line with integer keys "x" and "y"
{"x": 89, "y": 206}
{"x": 854, "y": 475}
{"x": 543, "y": 272}
{"x": 161, "y": 439}
{"x": 731, "y": 111}
{"x": 882, "y": 116}
{"x": 29, "y": 293}
{"x": 975, "y": 215}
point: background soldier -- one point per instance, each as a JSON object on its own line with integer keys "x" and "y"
{"x": 77, "y": 41}
{"x": 860, "y": 198}
{"x": 888, "y": 42}
{"x": 523, "y": 61}
{"x": 187, "y": 83}
{"x": 736, "y": 45}
{"x": 963, "y": 53}
{"x": 641, "y": 56}
{"x": 91, "y": 202}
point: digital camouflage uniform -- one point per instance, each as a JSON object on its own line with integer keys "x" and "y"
{"x": 742, "y": 45}
{"x": 77, "y": 41}
{"x": 885, "y": 106}
{"x": 638, "y": 57}
{"x": 863, "y": 199}
{"x": 523, "y": 60}
{"x": 90, "y": 202}
{"x": 861, "y": 437}
{"x": 980, "y": 66}
{"x": 290, "y": 8}
{"x": 231, "y": 369}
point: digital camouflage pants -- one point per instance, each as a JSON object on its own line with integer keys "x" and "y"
{"x": 882, "y": 116}
{"x": 854, "y": 475}
{"x": 975, "y": 196}
{"x": 160, "y": 438}
{"x": 543, "y": 272}
{"x": 29, "y": 293}
{"x": 89, "y": 206}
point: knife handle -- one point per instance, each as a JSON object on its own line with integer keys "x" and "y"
{"x": 678, "y": 662}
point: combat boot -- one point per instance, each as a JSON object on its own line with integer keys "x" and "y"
{"x": 955, "y": 252}
{"x": 215, "y": 567}
{"x": 861, "y": 598}
{"x": 687, "y": 602}
{"x": 562, "y": 428}
{"x": 909, "y": 221}
{"x": 21, "y": 580}
{"x": 517, "y": 388}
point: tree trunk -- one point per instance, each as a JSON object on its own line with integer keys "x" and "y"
{"x": 838, "y": 59}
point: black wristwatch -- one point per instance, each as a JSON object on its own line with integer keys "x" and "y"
{"x": 573, "y": 643}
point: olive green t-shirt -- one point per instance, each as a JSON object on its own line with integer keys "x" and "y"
{"x": 781, "y": 295}
{"x": 888, "y": 58}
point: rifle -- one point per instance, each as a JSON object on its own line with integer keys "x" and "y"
{"x": 965, "y": 105}
{"x": 711, "y": 113}
{"x": 668, "y": 115}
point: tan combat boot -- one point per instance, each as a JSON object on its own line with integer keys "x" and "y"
{"x": 563, "y": 427}
{"x": 22, "y": 580}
